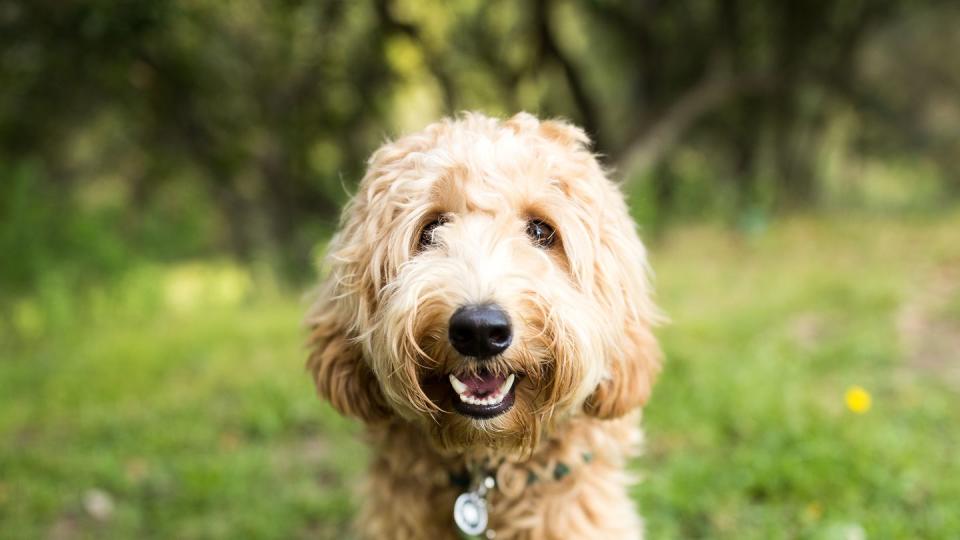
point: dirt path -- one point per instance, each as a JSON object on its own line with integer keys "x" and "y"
{"x": 929, "y": 324}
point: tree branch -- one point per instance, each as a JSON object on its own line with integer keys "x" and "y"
{"x": 550, "y": 48}
{"x": 434, "y": 65}
{"x": 716, "y": 89}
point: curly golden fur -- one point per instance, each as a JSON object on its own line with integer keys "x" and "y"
{"x": 581, "y": 312}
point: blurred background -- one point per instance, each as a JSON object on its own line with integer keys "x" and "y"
{"x": 170, "y": 173}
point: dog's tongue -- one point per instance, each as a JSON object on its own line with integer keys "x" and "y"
{"x": 483, "y": 384}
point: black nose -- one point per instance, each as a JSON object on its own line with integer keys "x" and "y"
{"x": 480, "y": 331}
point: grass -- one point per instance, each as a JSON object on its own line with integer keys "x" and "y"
{"x": 173, "y": 404}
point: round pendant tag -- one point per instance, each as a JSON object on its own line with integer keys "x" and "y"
{"x": 470, "y": 513}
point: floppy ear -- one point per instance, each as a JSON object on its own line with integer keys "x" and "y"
{"x": 340, "y": 373}
{"x": 633, "y": 359}
{"x": 630, "y": 376}
{"x": 556, "y": 129}
{"x": 337, "y": 363}
{"x": 359, "y": 265}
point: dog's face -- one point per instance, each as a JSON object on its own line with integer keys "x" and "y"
{"x": 486, "y": 283}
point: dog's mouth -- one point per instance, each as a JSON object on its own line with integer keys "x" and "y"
{"x": 483, "y": 395}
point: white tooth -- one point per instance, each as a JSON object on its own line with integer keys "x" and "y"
{"x": 458, "y": 386}
{"x": 505, "y": 387}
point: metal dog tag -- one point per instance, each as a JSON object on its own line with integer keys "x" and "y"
{"x": 470, "y": 514}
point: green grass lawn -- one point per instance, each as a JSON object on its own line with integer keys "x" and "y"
{"x": 173, "y": 403}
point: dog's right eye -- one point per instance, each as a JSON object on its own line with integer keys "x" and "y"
{"x": 542, "y": 234}
{"x": 428, "y": 233}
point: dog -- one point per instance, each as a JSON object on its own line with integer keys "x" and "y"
{"x": 487, "y": 314}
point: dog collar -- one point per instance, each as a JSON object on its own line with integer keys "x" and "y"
{"x": 463, "y": 479}
{"x": 470, "y": 513}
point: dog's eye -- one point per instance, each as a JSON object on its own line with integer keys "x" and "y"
{"x": 428, "y": 232}
{"x": 541, "y": 233}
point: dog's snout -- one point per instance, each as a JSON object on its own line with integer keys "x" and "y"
{"x": 480, "y": 331}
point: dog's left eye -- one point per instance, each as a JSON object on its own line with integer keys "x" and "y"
{"x": 541, "y": 233}
{"x": 427, "y": 233}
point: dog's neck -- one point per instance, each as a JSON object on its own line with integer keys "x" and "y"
{"x": 402, "y": 450}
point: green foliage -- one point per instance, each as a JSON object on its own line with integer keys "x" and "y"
{"x": 59, "y": 239}
{"x": 178, "y": 391}
{"x": 41, "y": 231}
{"x": 264, "y": 113}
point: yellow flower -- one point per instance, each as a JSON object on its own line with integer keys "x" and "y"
{"x": 813, "y": 511}
{"x": 858, "y": 399}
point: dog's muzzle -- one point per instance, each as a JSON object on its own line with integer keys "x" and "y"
{"x": 480, "y": 333}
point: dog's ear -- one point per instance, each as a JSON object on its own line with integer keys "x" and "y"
{"x": 342, "y": 376}
{"x": 622, "y": 284}
{"x": 357, "y": 267}
{"x": 557, "y": 130}
{"x": 630, "y": 376}
{"x": 341, "y": 373}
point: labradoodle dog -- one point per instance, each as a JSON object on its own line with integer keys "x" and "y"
{"x": 487, "y": 314}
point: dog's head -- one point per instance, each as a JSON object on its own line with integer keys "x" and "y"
{"x": 487, "y": 282}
